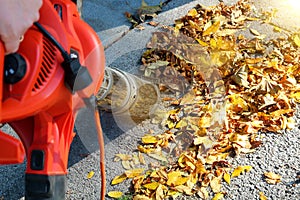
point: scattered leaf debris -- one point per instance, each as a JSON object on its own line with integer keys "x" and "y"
{"x": 221, "y": 90}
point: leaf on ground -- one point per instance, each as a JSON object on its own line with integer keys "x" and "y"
{"x": 115, "y": 194}
{"x": 149, "y": 139}
{"x": 118, "y": 179}
{"x": 158, "y": 156}
{"x": 203, "y": 193}
{"x": 254, "y": 32}
{"x": 214, "y": 27}
{"x": 262, "y": 196}
{"x": 296, "y": 40}
{"x": 272, "y": 178}
{"x": 90, "y": 174}
{"x": 141, "y": 158}
{"x": 124, "y": 157}
{"x": 240, "y": 169}
{"x": 240, "y": 77}
{"x": 134, "y": 172}
{"x": 151, "y": 186}
{"x": 175, "y": 178}
{"x": 159, "y": 193}
{"x": 215, "y": 184}
{"x": 227, "y": 178}
{"x": 126, "y": 164}
{"x": 193, "y": 12}
{"x": 218, "y": 196}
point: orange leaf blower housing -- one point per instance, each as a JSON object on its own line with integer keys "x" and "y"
{"x": 41, "y": 90}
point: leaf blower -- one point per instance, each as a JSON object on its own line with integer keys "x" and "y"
{"x": 57, "y": 70}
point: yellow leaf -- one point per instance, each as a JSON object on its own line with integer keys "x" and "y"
{"x": 212, "y": 29}
{"x": 262, "y": 196}
{"x": 172, "y": 177}
{"x": 201, "y": 42}
{"x": 227, "y": 178}
{"x": 254, "y": 32}
{"x": 115, "y": 194}
{"x": 173, "y": 193}
{"x": 240, "y": 169}
{"x": 205, "y": 122}
{"x": 218, "y": 196}
{"x": 144, "y": 150}
{"x": 180, "y": 124}
{"x": 213, "y": 43}
{"x": 277, "y": 29}
{"x": 175, "y": 178}
{"x": 181, "y": 180}
{"x": 90, "y": 174}
{"x": 296, "y": 96}
{"x": 290, "y": 123}
{"x": 238, "y": 103}
{"x": 149, "y": 139}
{"x": 151, "y": 186}
{"x": 296, "y": 40}
{"x": 134, "y": 172}
{"x": 193, "y": 12}
{"x": 119, "y": 179}
{"x": 170, "y": 124}
{"x": 217, "y": 157}
{"x": 281, "y": 112}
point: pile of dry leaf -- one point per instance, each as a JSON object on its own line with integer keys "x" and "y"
{"x": 226, "y": 88}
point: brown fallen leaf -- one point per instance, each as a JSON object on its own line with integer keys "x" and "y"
{"x": 153, "y": 23}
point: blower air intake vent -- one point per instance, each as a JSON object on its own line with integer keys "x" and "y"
{"x": 48, "y": 63}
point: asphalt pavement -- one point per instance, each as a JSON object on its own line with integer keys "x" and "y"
{"x": 123, "y": 49}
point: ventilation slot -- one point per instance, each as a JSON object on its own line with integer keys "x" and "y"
{"x": 47, "y": 67}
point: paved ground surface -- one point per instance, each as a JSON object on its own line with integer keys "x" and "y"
{"x": 123, "y": 49}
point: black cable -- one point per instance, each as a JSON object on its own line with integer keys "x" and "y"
{"x": 63, "y": 52}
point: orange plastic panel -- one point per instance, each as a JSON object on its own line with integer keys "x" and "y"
{"x": 12, "y": 151}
